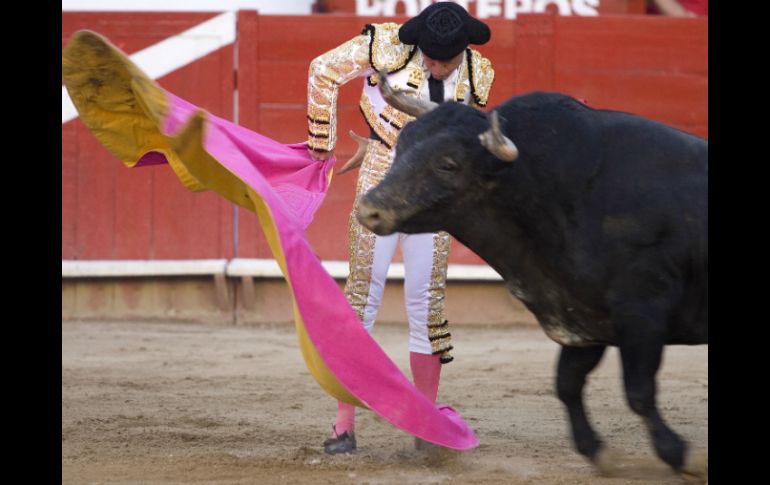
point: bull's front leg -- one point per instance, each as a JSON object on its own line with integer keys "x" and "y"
{"x": 575, "y": 363}
{"x": 641, "y": 340}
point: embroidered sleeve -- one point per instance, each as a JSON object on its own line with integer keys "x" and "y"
{"x": 327, "y": 73}
{"x": 386, "y": 51}
{"x": 482, "y": 76}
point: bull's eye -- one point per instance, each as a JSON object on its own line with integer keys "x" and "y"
{"x": 446, "y": 164}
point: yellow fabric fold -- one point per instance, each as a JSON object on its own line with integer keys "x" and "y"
{"x": 125, "y": 109}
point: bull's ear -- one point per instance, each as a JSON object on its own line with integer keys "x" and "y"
{"x": 498, "y": 144}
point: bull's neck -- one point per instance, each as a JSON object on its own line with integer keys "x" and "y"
{"x": 517, "y": 226}
{"x": 495, "y": 234}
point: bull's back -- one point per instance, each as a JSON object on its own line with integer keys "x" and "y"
{"x": 633, "y": 195}
{"x": 657, "y": 176}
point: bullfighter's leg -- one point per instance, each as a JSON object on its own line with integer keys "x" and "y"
{"x": 425, "y": 263}
{"x": 425, "y": 266}
{"x": 641, "y": 351}
{"x": 366, "y": 279}
{"x": 369, "y": 257}
{"x": 575, "y": 363}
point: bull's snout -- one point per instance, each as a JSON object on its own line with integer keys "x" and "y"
{"x": 379, "y": 221}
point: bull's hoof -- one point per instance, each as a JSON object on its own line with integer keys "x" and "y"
{"x": 608, "y": 461}
{"x": 696, "y": 466}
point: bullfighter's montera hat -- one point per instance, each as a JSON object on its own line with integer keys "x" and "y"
{"x": 443, "y": 30}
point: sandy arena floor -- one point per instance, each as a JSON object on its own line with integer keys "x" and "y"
{"x": 190, "y": 403}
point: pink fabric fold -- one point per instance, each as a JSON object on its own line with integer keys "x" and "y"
{"x": 293, "y": 187}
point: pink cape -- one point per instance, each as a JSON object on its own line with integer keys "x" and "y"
{"x": 284, "y": 186}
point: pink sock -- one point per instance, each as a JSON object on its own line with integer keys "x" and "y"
{"x": 426, "y": 371}
{"x": 346, "y": 418}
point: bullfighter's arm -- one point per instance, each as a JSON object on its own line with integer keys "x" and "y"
{"x": 327, "y": 73}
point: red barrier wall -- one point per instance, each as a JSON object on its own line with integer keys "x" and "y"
{"x": 650, "y": 65}
{"x": 109, "y": 212}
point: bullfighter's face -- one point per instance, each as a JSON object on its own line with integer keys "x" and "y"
{"x": 442, "y": 69}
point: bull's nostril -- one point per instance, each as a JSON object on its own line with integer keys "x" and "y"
{"x": 368, "y": 216}
{"x": 365, "y": 211}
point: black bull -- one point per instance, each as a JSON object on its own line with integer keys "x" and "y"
{"x": 598, "y": 222}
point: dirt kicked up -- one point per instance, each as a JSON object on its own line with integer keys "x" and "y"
{"x": 167, "y": 403}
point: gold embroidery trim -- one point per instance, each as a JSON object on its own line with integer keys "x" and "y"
{"x": 482, "y": 76}
{"x": 438, "y": 327}
{"x": 360, "y": 256}
{"x": 462, "y": 86}
{"x": 319, "y": 130}
{"x": 386, "y": 51}
{"x": 317, "y": 144}
{"x": 375, "y": 165}
{"x": 318, "y": 114}
{"x": 441, "y": 341}
{"x": 388, "y": 136}
{"x": 387, "y": 113}
{"x": 326, "y": 74}
{"x": 416, "y": 78}
{"x": 400, "y": 119}
{"x": 395, "y": 118}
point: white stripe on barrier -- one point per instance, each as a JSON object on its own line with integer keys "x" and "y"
{"x": 268, "y": 268}
{"x": 68, "y": 111}
{"x": 125, "y": 267}
{"x": 173, "y": 53}
{"x": 257, "y": 268}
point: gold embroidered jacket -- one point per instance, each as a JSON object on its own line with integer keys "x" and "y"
{"x": 378, "y": 47}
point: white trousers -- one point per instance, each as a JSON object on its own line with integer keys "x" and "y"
{"x": 425, "y": 263}
{"x": 418, "y": 264}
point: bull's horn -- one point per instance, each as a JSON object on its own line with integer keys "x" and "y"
{"x": 398, "y": 99}
{"x": 500, "y": 145}
{"x": 358, "y": 157}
